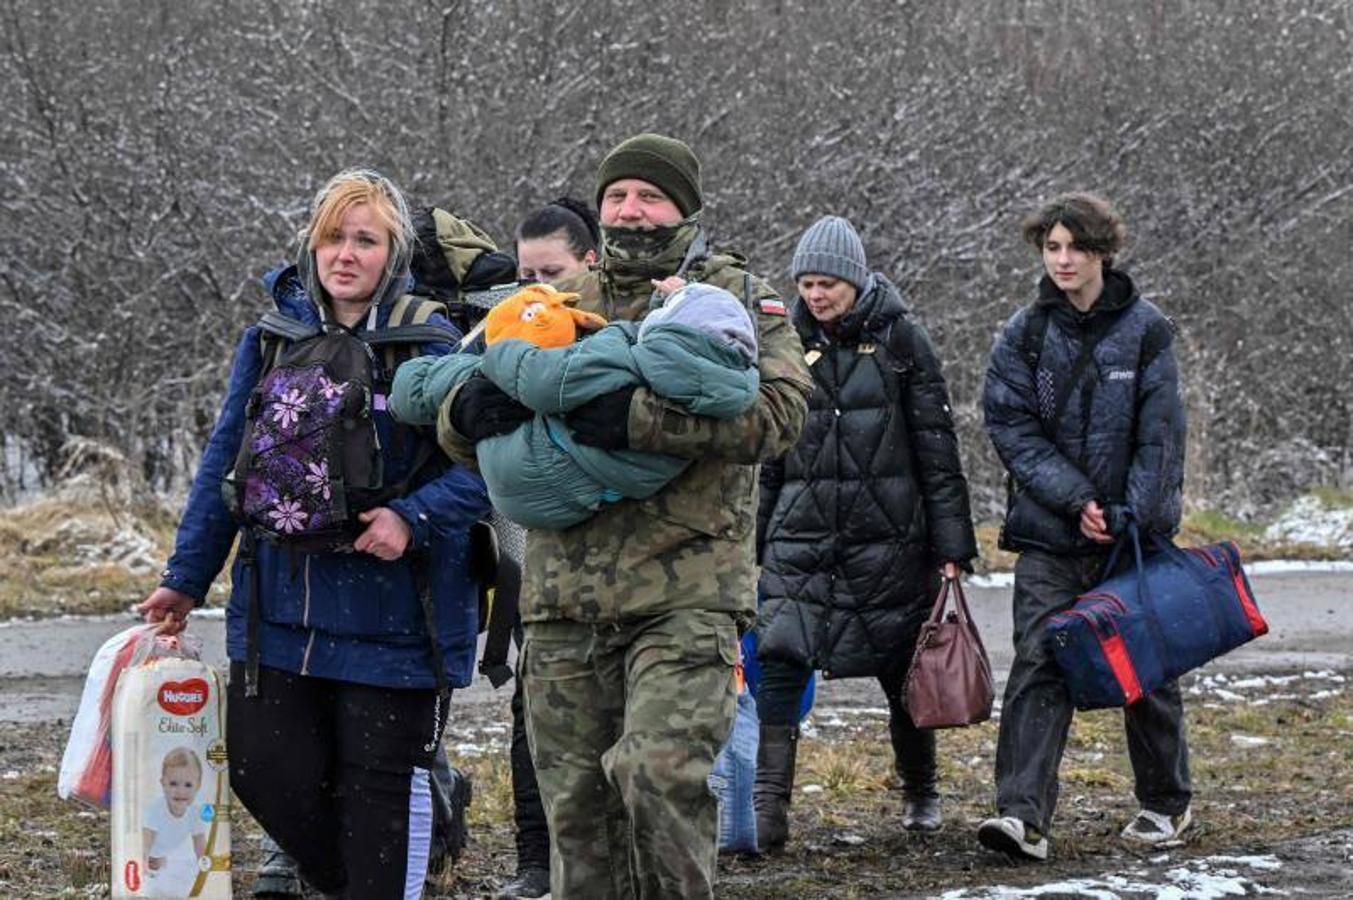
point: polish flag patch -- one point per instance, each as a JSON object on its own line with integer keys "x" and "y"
{"x": 772, "y": 306}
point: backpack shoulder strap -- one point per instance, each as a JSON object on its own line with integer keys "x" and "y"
{"x": 1035, "y": 330}
{"x": 1099, "y": 331}
{"x": 274, "y": 330}
{"x": 1159, "y": 335}
{"x": 406, "y": 330}
{"x": 285, "y": 327}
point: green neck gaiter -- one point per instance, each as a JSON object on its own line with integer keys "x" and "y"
{"x": 632, "y": 257}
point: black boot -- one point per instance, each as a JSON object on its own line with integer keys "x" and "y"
{"x": 775, "y": 755}
{"x": 276, "y": 877}
{"x": 914, "y": 759}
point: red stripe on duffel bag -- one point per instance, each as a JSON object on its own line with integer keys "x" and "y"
{"x": 1252, "y": 614}
{"x": 1115, "y": 651}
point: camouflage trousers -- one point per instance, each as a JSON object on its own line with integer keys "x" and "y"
{"x": 624, "y": 722}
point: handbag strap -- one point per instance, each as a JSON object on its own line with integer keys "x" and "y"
{"x": 941, "y": 600}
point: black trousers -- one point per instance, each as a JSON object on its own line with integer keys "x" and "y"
{"x": 338, "y": 774}
{"x": 1037, "y": 710}
{"x": 780, "y": 690}
{"x": 533, "y": 832}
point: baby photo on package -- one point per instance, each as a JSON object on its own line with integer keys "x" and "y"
{"x": 170, "y": 791}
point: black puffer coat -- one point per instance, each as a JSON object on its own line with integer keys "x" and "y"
{"x": 1120, "y": 437}
{"x": 855, "y": 520}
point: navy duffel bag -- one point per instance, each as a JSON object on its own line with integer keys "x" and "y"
{"x": 1174, "y": 611}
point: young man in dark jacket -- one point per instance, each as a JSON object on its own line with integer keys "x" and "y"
{"x": 858, "y": 521}
{"x": 1082, "y": 402}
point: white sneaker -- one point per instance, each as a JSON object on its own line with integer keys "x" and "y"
{"x": 1150, "y": 828}
{"x": 1008, "y": 834}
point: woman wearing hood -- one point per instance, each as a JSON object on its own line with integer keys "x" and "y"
{"x": 338, "y": 692}
{"x": 858, "y": 522}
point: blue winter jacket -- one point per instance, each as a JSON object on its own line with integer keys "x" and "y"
{"x": 346, "y": 616}
{"x": 1120, "y": 437}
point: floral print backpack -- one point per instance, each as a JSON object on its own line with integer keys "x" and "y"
{"x": 310, "y": 461}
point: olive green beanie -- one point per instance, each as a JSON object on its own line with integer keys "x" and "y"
{"x": 662, "y": 161}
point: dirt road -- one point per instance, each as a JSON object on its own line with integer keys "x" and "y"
{"x": 1269, "y": 729}
{"x": 1310, "y": 614}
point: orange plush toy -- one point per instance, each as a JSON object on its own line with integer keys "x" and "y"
{"x": 541, "y": 315}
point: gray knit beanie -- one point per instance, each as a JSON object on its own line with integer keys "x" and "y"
{"x": 831, "y": 247}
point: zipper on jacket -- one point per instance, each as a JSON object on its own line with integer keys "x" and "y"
{"x": 824, "y": 624}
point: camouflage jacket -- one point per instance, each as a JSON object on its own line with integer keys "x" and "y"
{"x": 691, "y": 545}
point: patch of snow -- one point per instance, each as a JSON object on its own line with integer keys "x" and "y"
{"x": 1198, "y": 880}
{"x": 1309, "y": 521}
{"x": 1249, "y": 740}
{"x": 1326, "y": 674}
{"x": 811, "y": 789}
{"x": 1265, "y": 863}
{"x": 1284, "y": 566}
{"x": 993, "y": 580}
{"x": 849, "y": 839}
{"x": 1265, "y": 681}
{"x": 468, "y": 749}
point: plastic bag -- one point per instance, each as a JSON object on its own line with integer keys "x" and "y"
{"x": 87, "y": 765}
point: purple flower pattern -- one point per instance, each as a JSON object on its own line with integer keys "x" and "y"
{"x": 317, "y": 476}
{"x": 288, "y": 408}
{"x": 288, "y": 488}
{"x": 287, "y": 516}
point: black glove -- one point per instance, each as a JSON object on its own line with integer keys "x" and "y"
{"x": 604, "y": 421}
{"x": 483, "y": 410}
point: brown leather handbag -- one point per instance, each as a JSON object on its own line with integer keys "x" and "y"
{"x": 949, "y": 682}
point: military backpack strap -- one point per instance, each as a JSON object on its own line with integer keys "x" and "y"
{"x": 406, "y": 331}
{"x": 749, "y": 301}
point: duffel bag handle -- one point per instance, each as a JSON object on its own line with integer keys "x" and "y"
{"x": 1133, "y": 535}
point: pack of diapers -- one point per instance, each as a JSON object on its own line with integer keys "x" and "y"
{"x": 170, "y": 813}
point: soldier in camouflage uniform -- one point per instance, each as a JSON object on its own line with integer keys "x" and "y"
{"x": 632, "y": 617}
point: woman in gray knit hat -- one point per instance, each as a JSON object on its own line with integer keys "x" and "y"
{"x": 857, "y": 523}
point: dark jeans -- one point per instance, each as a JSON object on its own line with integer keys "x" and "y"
{"x": 338, "y": 774}
{"x": 533, "y": 832}
{"x": 1037, "y": 710}
{"x": 777, "y": 704}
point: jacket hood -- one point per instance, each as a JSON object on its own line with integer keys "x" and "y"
{"x": 288, "y": 294}
{"x": 880, "y": 302}
{"x": 289, "y": 285}
{"x": 1119, "y": 293}
{"x": 394, "y": 282}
